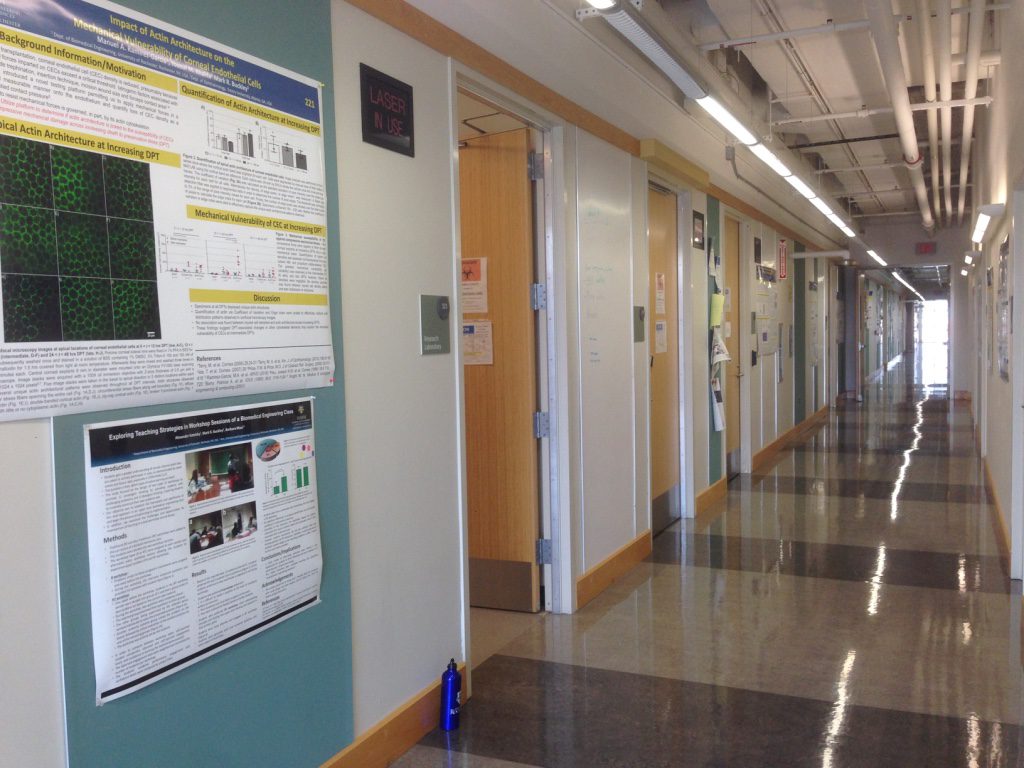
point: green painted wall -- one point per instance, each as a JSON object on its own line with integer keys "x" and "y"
{"x": 713, "y": 231}
{"x": 283, "y": 697}
{"x": 799, "y": 336}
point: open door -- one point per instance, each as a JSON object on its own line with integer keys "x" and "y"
{"x": 733, "y": 323}
{"x": 497, "y": 209}
{"x": 663, "y": 247}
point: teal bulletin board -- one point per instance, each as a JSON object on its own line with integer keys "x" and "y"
{"x": 283, "y": 697}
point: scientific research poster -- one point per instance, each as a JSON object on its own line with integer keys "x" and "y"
{"x": 162, "y": 215}
{"x": 203, "y": 530}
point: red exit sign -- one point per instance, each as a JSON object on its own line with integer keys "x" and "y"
{"x": 925, "y": 249}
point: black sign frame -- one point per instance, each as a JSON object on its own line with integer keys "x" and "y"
{"x": 376, "y": 116}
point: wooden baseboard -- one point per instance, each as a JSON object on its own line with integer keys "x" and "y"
{"x": 765, "y": 458}
{"x": 710, "y": 495}
{"x": 998, "y": 519}
{"x": 604, "y": 574}
{"x": 398, "y": 732}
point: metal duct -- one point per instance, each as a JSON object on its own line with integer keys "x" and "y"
{"x": 924, "y": 13}
{"x": 883, "y": 31}
{"x": 944, "y": 19}
{"x": 977, "y": 24}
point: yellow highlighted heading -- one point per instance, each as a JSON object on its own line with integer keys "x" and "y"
{"x": 213, "y": 296}
{"x": 71, "y": 55}
{"x": 255, "y": 220}
{"x": 86, "y": 141}
{"x": 250, "y": 109}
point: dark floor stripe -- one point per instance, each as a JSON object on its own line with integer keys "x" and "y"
{"x": 844, "y": 562}
{"x": 561, "y": 715}
{"x": 887, "y": 450}
{"x": 945, "y": 493}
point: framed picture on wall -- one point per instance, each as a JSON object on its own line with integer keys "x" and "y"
{"x": 698, "y": 230}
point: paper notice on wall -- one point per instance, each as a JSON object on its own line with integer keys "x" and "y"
{"x": 727, "y": 293}
{"x": 719, "y": 352}
{"x": 478, "y": 343}
{"x": 163, "y": 204}
{"x": 718, "y": 422}
{"x": 659, "y": 293}
{"x": 473, "y": 287}
{"x": 203, "y": 530}
{"x": 717, "y": 306}
{"x": 660, "y": 336}
{"x": 727, "y": 329}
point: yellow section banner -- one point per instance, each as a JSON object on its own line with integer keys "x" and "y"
{"x": 38, "y": 132}
{"x": 214, "y": 296}
{"x": 71, "y": 55}
{"x": 249, "y": 108}
{"x": 255, "y": 220}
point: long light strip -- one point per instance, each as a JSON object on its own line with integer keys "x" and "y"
{"x": 769, "y": 159}
{"x": 822, "y": 206}
{"x": 650, "y": 47}
{"x": 726, "y": 119}
{"x": 800, "y": 186}
{"x": 877, "y": 258}
{"x": 979, "y": 228}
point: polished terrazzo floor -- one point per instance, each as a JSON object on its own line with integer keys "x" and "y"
{"x": 851, "y": 606}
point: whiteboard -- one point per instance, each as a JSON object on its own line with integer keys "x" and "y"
{"x": 605, "y": 230}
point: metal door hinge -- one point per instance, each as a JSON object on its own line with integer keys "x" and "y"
{"x": 541, "y": 424}
{"x": 543, "y": 551}
{"x": 538, "y": 296}
{"x": 535, "y": 166}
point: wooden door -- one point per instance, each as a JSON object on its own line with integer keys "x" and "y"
{"x": 733, "y": 369}
{"x": 663, "y": 247}
{"x": 501, "y": 451}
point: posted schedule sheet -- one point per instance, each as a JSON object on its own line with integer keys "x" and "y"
{"x": 203, "y": 529}
{"x": 162, "y": 215}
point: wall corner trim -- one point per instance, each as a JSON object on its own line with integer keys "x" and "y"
{"x": 595, "y": 581}
{"x": 681, "y": 170}
{"x": 398, "y": 732}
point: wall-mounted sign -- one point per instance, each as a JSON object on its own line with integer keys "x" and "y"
{"x": 926, "y": 248}
{"x": 757, "y": 250}
{"x": 698, "y": 230}
{"x": 435, "y": 333}
{"x": 387, "y": 111}
{"x": 783, "y": 258}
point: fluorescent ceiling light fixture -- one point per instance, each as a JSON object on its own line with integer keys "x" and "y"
{"x": 820, "y": 204}
{"x": 985, "y": 215}
{"x": 847, "y": 231}
{"x": 771, "y": 160}
{"x": 877, "y": 258}
{"x": 963, "y": 272}
{"x": 842, "y": 225}
{"x": 725, "y": 119}
{"x": 651, "y": 47}
{"x": 800, "y": 186}
{"x": 968, "y": 259}
{"x": 602, "y": 5}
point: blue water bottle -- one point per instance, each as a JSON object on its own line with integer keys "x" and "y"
{"x": 451, "y": 696}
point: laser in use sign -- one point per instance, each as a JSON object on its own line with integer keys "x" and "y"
{"x": 203, "y": 530}
{"x": 387, "y": 111}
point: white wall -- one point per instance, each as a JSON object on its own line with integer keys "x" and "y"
{"x": 32, "y": 704}
{"x": 403, "y": 441}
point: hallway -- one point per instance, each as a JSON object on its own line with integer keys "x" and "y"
{"x": 849, "y": 607}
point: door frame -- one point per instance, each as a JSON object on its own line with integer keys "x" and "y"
{"x": 744, "y": 281}
{"x": 551, "y": 339}
{"x": 684, "y": 337}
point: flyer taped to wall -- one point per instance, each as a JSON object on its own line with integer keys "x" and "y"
{"x": 719, "y": 352}
{"x": 203, "y": 530}
{"x": 163, "y": 215}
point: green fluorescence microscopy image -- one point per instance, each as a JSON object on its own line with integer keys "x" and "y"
{"x": 132, "y": 249}
{"x": 31, "y": 308}
{"x": 136, "y": 310}
{"x": 77, "y": 181}
{"x": 25, "y": 172}
{"x": 85, "y": 309}
{"x": 129, "y": 195}
{"x": 82, "y": 245}
{"x": 28, "y": 241}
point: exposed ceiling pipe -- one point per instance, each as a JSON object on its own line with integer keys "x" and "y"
{"x": 977, "y": 22}
{"x": 929, "y": 106}
{"x": 858, "y": 168}
{"x": 944, "y": 19}
{"x": 924, "y": 10}
{"x": 883, "y": 31}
